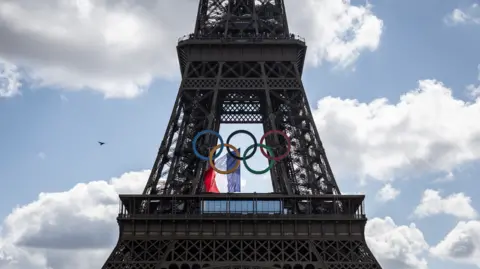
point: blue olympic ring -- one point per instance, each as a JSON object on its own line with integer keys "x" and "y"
{"x": 194, "y": 143}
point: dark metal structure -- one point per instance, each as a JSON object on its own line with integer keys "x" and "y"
{"x": 241, "y": 65}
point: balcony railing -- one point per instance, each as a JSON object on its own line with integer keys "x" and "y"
{"x": 241, "y": 205}
{"x": 241, "y": 37}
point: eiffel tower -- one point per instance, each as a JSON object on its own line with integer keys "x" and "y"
{"x": 241, "y": 65}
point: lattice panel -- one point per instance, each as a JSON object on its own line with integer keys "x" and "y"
{"x": 242, "y": 83}
{"x": 250, "y": 253}
{"x": 250, "y": 108}
{"x": 241, "y": 107}
{"x": 206, "y": 83}
{"x": 200, "y": 83}
{"x": 241, "y": 75}
{"x": 241, "y": 96}
{"x": 283, "y": 83}
{"x": 241, "y": 118}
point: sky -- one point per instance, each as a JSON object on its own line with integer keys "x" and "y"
{"x": 394, "y": 87}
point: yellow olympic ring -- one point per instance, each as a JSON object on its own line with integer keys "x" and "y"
{"x": 210, "y": 159}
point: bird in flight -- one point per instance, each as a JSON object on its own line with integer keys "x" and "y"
{"x": 101, "y": 143}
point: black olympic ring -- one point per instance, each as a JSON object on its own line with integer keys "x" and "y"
{"x": 255, "y": 145}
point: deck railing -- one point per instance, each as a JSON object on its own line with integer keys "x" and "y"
{"x": 349, "y": 206}
{"x": 241, "y": 37}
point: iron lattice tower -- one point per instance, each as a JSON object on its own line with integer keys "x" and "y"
{"x": 241, "y": 65}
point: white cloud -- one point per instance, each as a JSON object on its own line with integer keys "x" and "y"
{"x": 59, "y": 230}
{"x": 399, "y": 247}
{"x": 387, "y": 193}
{"x": 468, "y": 15}
{"x": 336, "y": 31}
{"x": 462, "y": 244}
{"x": 456, "y": 204}
{"x": 428, "y": 130}
{"x": 474, "y": 90}
{"x": 117, "y": 48}
{"x": 9, "y": 79}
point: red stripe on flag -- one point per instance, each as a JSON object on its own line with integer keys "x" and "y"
{"x": 209, "y": 180}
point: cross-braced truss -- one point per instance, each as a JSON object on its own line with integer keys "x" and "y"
{"x": 241, "y": 65}
{"x": 242, "y": 254}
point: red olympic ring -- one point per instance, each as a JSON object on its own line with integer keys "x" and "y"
{"x": 289, "y": 145}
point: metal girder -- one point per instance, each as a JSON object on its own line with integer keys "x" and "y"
{"x": 241, "y": 65}
{"x": 241, "y": 254}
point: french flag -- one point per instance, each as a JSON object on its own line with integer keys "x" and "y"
{"x": 226, "y": 162}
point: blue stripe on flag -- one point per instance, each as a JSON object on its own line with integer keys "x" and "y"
{"x": 233, "y": 179}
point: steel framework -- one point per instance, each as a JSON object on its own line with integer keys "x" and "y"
{"x": 241, "y": 65}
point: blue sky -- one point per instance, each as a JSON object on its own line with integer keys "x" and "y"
{"x": 415, "y": 154}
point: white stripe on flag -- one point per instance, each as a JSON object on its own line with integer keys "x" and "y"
{"x": 222, "y": 180}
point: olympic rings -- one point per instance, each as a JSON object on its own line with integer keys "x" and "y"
{"x": 270, "y": 156}
{"x": 210, "y": 159}
{"x": 272, "y": 162}
{"x": 254, "y": 145}
{"x": 194, "y": 144}
{"x": 289, "y": 145}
